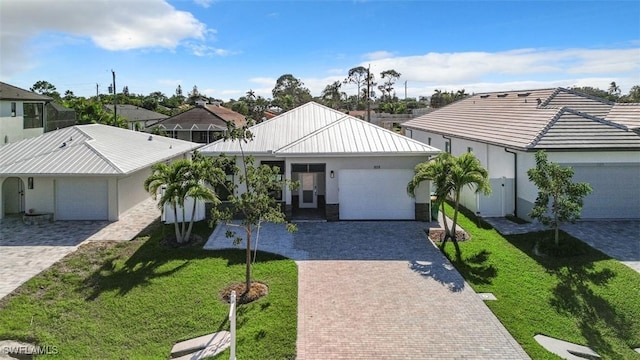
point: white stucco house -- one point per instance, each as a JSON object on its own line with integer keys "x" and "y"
{"x": 348, "y": 169}
{"x": 600, "y": 140}
{"x": 83, "y": 172}
{"x": 22, "y": 113}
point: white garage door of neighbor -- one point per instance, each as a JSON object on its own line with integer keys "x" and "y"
{"x": 615, "y": 191}
{"x": 82, "y": 199}
{"x": 375, "y": 195}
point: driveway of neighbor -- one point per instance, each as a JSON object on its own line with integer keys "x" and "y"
{"x": 619, "y": 239}
{"x": 381, "y": 290}
{"x": 26, "y": 250}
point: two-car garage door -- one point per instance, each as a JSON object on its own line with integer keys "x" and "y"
{"x": 375, "y": 195}
{"x": 615, "y": 190}
{"x": 81, "y": 199}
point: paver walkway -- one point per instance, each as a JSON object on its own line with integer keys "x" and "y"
{"x": 619, "y": 239}
{"x": 381, "y": 290}
{"x": 26, "y": 250}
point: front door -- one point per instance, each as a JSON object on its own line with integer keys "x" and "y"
{"x": 308, "y": 193}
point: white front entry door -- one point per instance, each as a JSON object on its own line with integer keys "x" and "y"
{"x": 308, "y": 193}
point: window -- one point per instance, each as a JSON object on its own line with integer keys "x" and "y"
{"x": 428, "y": 141}
{"x": 447, "y": 147}
{"x": 470, "y": 149}
{"x": 223, "y": 191}
{"x": 33, "y": 115}
{"x": 13, "y": 109}
{"x": 277, "y": 193}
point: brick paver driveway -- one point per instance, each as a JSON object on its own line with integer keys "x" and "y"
{"x": 380, "y": 290}
{"x": 26, "y": 250}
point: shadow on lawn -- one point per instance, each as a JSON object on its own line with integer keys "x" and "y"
{"x": 150, "y": 261}
{"x": 573, "y": 295}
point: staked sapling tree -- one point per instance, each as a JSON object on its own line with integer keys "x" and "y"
{"x": 559, "y": 199}
{"x": 255, "y": 203}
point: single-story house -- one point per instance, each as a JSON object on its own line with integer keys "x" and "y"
{"x": 203, "y": 124}
{"x": 137, "y": 117}
{"x": 83, "y": 172}
{"x": 348, "y": 169}
{"x": 22, "y": 113}
{"x": 597, "y": 138}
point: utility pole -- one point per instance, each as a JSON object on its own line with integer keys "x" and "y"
{"x": 115, "y": 99}
{"x": 369, "y": 93}
{"x": 405, "y": 89}
{"x": 97, "y": 91}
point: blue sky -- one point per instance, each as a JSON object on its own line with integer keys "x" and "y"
{"x": 228, "y": 47}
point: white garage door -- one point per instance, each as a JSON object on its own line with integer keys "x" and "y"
{"x": 375, "y": 195}
{"x": 615, "y": 193}
{"x": 82, "y": 199}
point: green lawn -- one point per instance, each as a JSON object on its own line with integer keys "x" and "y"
{"x": 136, "y": 299}
{"x": 589, "y": 299}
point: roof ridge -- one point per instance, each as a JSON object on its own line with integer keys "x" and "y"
{"x": 588, "y": 96}
{"x": 549, "y": 98}
{"x": 89, "y": 144}
{"x": 598, "y": 119}
{"x": 545, "y": 129}
{"x": 316, "y": 131}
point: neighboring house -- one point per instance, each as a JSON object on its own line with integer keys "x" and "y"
{"x": 83, "y": 172}
{"x": 22, "y": 114}
{"x": 597, "y": 138}
{"x": 59, "y": 117}
{"x": 138, "y": 118}
{"x": 202, "y": 124}
{"x": 347, "y": 168}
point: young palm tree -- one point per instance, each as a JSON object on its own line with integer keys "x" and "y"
{"x": 467, "y": 171}
{"x": 450, "y": 175}
{"x": 437, "y": 170}
{"x": 181, "y": 179}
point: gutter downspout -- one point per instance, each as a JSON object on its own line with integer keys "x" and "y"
{"x": 515, "y": 180}
{"x": 450, "y": 144}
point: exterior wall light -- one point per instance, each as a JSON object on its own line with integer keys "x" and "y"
{"x": 332, "y": 174}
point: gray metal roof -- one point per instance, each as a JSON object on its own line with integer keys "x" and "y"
{"x": 136, "y": 113}
{"x": 10, "y": 92}
{"x": 93, "y": 149}
{"x": 535, "y": 119}
{"x": 313, "y": 129}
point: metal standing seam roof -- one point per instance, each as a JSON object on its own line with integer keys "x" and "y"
{"x": 314, "y": 129}
{"x": 532, "y": 119}
{"x": 93, "y": 149}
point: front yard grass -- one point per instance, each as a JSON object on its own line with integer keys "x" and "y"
{"x": 589, "y": 299}
{"x": 136, "y": 299}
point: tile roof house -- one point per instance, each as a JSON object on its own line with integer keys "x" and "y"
{"x": 203, "y": 124}
{"x": 348, "y": 169}
{"x": 22, "y": 113}
{"x": 137, "y": 117}
{"x": 83, "y": 172}
{"x": 598, "y": 138}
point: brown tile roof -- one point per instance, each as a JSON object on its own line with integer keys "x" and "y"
{"x": 10, "y": 92}
{"x": 211, "y": 117}
{"x": 533, "y": 119}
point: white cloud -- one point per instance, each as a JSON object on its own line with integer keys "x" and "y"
{"x": 206, "y": 50}
{"x": 112, "y": 26}
{"x": 465, "y": 67}
{"x": 377, "y": 55}
{"x": 204, "y": 3}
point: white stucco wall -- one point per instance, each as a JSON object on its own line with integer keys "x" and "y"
{"x": 131, "y": 190}
{"x": 11, "y": 127}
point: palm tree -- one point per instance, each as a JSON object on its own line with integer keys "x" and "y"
{"x": 467, "y": 171}
{"x": 451, "y": 174}
{"x": 436, "y": 170}
{"x": 181, "y": 179}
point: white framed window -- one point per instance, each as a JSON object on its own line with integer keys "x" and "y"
{"x": 447, "y": 146}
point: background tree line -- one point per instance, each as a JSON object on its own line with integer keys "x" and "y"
{"x": 289, "y": 92}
